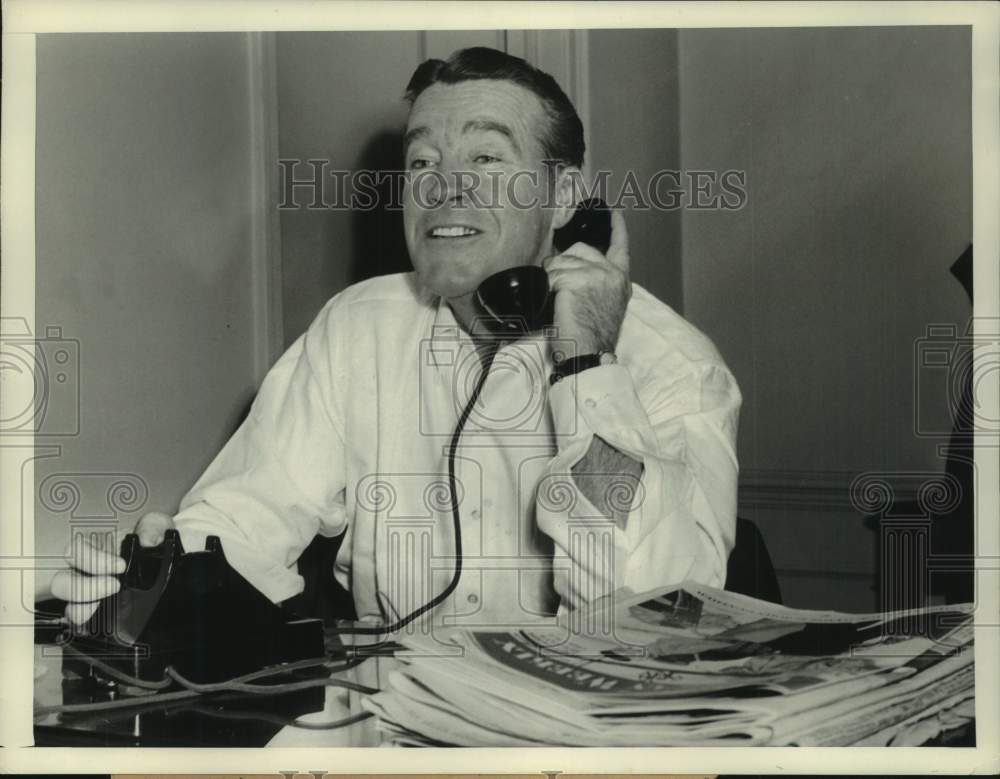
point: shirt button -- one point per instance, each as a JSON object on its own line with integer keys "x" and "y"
{"x": 589, "y": 403}
{"x": 473, "y": 598}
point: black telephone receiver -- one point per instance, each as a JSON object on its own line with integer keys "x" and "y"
{"x": 518, "y": 300}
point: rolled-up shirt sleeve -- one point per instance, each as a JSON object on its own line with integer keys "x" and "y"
{"x": 681, "y": 515}
{"x": 280, "y": 479}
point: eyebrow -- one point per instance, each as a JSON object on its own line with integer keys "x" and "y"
{"x": 488, "y": 125}
{"x": 473, "y": 125}
{"x": 414, "y": 134}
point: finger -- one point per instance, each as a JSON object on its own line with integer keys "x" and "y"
{"x": 77, "y": 587}
{"x": 618, "y": 248}
{"x": 566, "y": 262}
{"x": 152, "y": 528}
{"x": 79, "y": 613}
{"x": 85, "y": 557}
{"x": 584, "y": 251}
{"x": 575, "y": 271}
{"x": 568, "y": 279}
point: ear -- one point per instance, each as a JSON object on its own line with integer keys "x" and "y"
{"x": 565, "y": 194}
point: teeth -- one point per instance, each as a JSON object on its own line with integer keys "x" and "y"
{"x": 452, "y": 232}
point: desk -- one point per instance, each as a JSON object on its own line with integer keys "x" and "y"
{"x": 211, "y": 720}
{"x": 232, "y": 720}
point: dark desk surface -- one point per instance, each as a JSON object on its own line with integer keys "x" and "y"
{"x": 208, "y": 720}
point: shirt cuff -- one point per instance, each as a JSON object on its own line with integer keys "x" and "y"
{"x": 598, "y": 400}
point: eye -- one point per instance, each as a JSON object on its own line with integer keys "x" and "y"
{"x": 486, "y": 159}
{"x": 420, "y": 163}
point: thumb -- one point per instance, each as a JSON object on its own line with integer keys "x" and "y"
{"x": 152, "y": 528}
{"x": 618, "y": 248}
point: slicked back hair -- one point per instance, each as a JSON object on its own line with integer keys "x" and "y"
{"x": 562, "y": 139}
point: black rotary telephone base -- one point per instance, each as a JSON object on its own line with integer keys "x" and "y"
{"x": 194, "y": 613}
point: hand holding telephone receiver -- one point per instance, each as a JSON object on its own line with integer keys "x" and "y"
{"x": 518, "y": 299}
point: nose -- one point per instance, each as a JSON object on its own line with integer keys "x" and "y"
{"x": 445, "y": 184}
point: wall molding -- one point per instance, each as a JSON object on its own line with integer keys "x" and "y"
{"x": 265, "y": 241}
{"x": 868, "y": 577}
{"x": 580, "y": 87}
{"x": 860, "y": 492}
{"x": 563, "y": 54}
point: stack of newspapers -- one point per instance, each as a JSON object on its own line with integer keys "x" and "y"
{"x": 688, "y": 666}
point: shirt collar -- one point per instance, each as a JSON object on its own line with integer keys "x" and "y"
{"x": 445, "y": 327}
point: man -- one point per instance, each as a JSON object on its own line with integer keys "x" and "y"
{"x": 622, "y": 473}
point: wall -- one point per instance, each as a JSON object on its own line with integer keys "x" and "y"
{"x": 339, "y": 99}
{"x": 143, "y": 238}
{"x": 634, "y": 117}
{"x": 856, "y": 144}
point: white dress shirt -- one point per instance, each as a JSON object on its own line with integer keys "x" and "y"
{"x": 350, "y": 431}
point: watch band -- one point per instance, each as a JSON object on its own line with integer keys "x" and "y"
{"x": 580, "y": 362}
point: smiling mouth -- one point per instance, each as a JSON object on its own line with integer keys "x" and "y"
{"x": 452, "y": 231}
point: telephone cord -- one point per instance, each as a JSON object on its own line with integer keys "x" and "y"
{"x": 487, "y": 361}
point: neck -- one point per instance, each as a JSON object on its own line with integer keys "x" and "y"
{"x": 464, "y": 309}
{"x": 469, "y": 316}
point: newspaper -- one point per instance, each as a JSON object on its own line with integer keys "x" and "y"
{"x": 691, "y": 666}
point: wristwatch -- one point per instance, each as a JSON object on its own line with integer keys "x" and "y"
{"x": 581, "y": 362}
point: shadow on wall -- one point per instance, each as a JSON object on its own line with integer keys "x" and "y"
{"x": 378, "y": 240}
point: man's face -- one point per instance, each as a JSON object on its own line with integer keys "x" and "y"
{"x": 481, "y": 137}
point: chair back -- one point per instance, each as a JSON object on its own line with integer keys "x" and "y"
{"x": 750, "y": 570}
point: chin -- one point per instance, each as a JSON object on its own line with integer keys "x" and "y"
{"x": 446, "y": 285}
{"x": 450, "y": 278}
